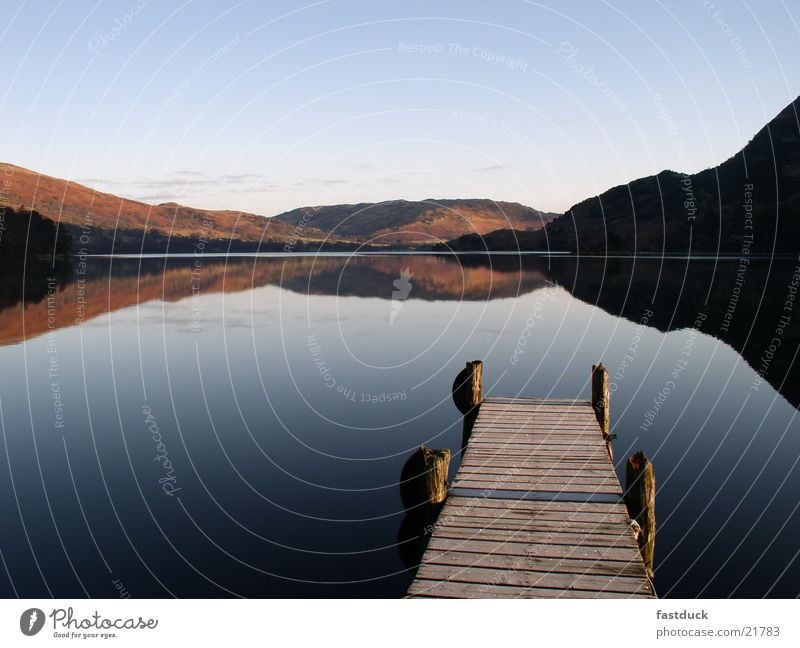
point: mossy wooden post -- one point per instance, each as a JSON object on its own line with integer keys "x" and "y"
{"x": 468, "y": 395}
{"x": 601, "y": 402}
{"x": 423, "y": 489}
{"x": 601, "y": 397}
{"x": 437, "y": 465}
{"x": 423, "y": 480}
{"x": 468, "y": 387}
{"x": 640, "y": 499}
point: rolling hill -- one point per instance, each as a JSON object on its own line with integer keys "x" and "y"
{"x": 418, "y": 223}
{"x": 133, "y": 225}
{"x": 125, "y": 225}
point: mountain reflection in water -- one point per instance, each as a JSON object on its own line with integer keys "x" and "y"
{"x": 289, "y": 394}
{"x": 748, "y": 306}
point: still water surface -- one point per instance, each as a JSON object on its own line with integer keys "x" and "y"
{"x": 239, "y": 428}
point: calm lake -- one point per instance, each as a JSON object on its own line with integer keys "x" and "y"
{"x": 212, "y": 427}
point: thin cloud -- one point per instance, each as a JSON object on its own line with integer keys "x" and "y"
{"x": 182, "y": 183}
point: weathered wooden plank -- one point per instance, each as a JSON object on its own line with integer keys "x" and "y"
{"x": 510, "y": 476}
{"x": 532, "y": 441}
{"x": 544, "y": 513}
{"x": 511, "y": 444}
{"x": 529, "y": 524}
{"x": 591, "y": 465}
{"x": 534, "y": 563}
{"x": 482, "y": 507}
{"x": 533, "y": 415}
{"x": 574, "y": 465}
{"x": 571, "y": 429}
{"x": 477, "y": 467}
{"x": 545, "y": 536}
{"x": 521, "y": 434}
{"x": 555, "y": 408}
{"x": 537, "y": 488}
{"x": 540, "y": 421}
{"x": 501, "y": 440}
{"x": 548, "y": 526}
{"x": 578, "y": 407}
{"x": 494, "y": 402}
{"x": 565, "y": 414}
{"x": 554, "y": 453}
{"x": 533, "y": 449}
{"x": 563, "y": 517}
{"x": 539, "y": 417}
{"x": 542, "y": 427}
{"x": 502, "y": 468}
{"x": 442, "y": 589}
{"x": 511, "y": 548}
{"x": 471, "y": 465}
{"x": 534, "y": 507}
{"x": 552, "y": 433}
{"x": 494, "y": 408}
{"x": 555, "y": 428}
{"x": 536, "y": 399}
{"x": 533, "y": 459}
{"x": 589, "y": 468}
{"x": 554, "y": 415}
{"x": 544, "y": 433}
{"x": 489, "y": 445}
{"x": 527, "y": 578}
{"x": 479, "y": 485}
{"x": 537, "y": 476}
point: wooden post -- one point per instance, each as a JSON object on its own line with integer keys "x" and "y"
{"x": 640, "y": 499}
{"x": 437, "y": 465}
{"x": 423, "y": 480}
{"x": 601, "y": 397}
{"x": 468, "y": 387}
{"x": 423, "y": 489}
{"x": 468, "y": 395}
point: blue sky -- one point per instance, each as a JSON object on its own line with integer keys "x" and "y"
{"x": 267, "y": 106}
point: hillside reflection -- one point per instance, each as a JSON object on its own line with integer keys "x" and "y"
{"x": 748, "y": 307}
{"x": 105, "y": 286}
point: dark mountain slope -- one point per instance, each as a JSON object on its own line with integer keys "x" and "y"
{"x": 749, "y": 203}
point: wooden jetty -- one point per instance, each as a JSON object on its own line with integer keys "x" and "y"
{"x": 536, "y": 509}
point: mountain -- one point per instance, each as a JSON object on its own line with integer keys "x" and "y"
{"x": 138, "y": 225}
{"x": 748, "y": 204}
{"x": 418, "y": 223}
{"x": 125, "y": 225}
{"x": 29, "y": 234}
{"x": 34, "y": 259}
